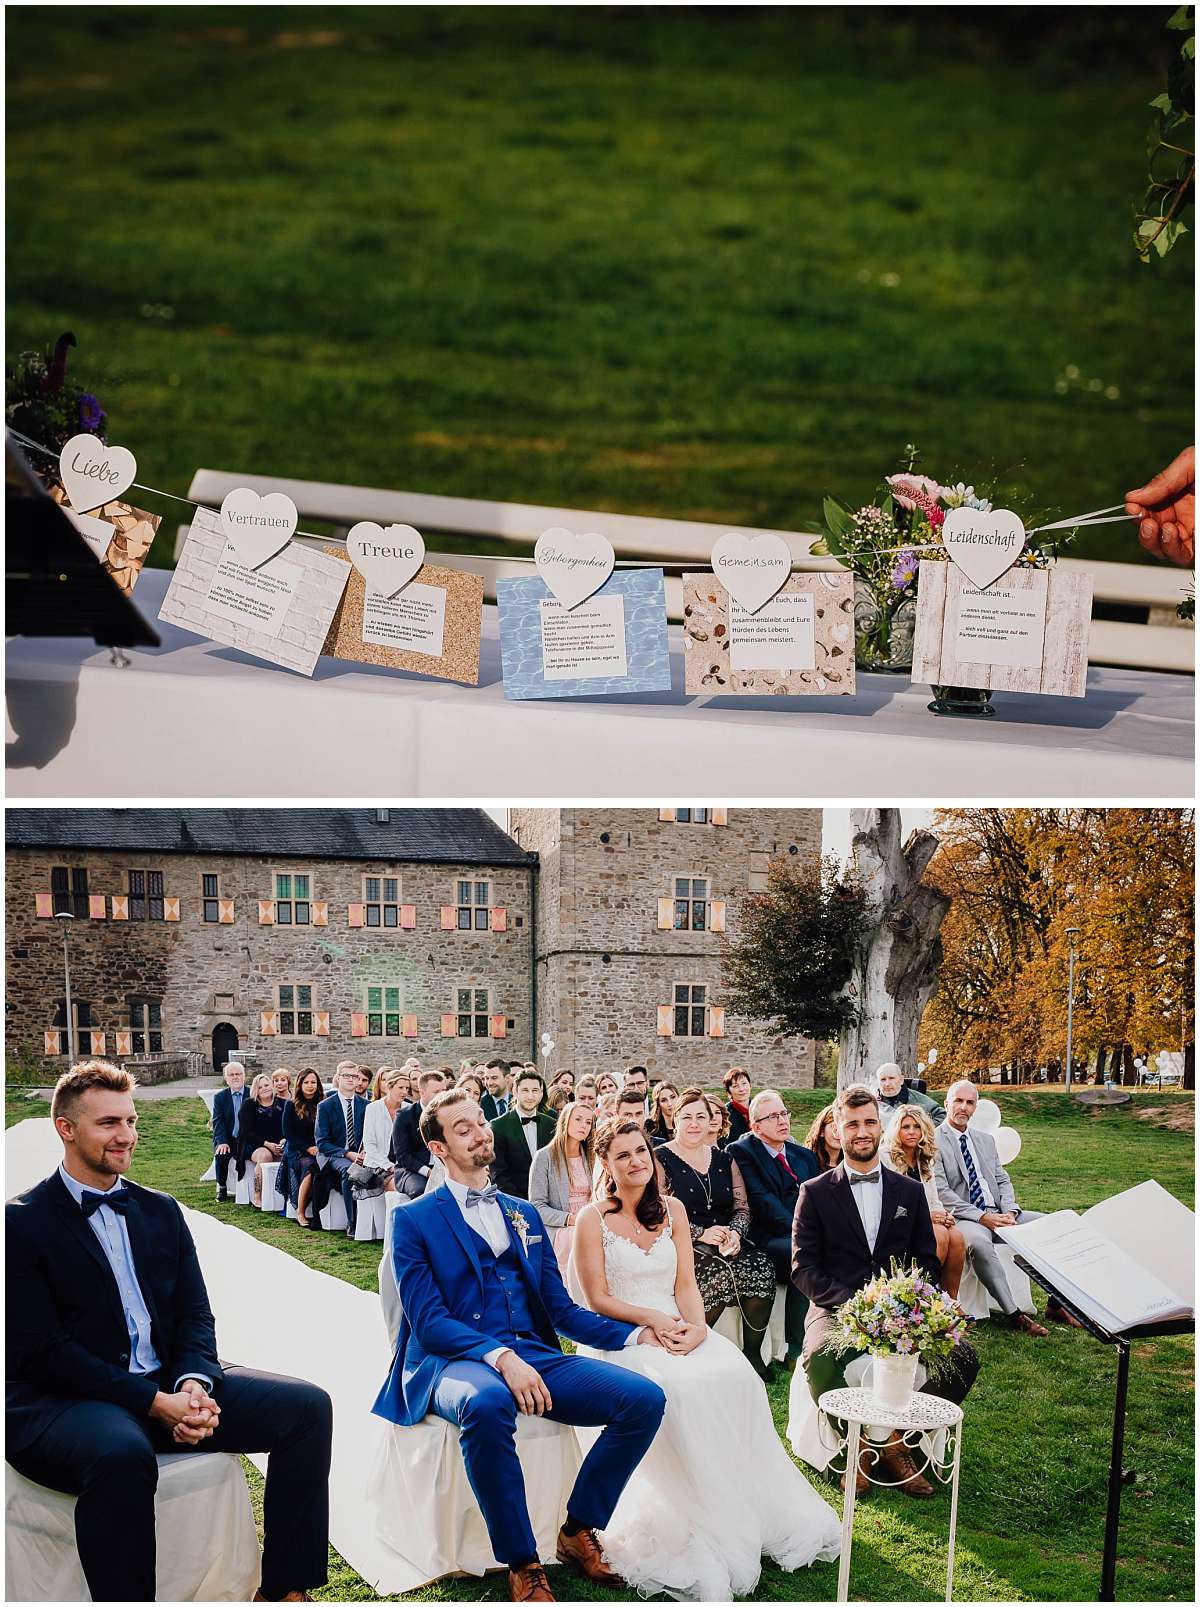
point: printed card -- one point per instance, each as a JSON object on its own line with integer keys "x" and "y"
{"x": 798, "y": 643}
{"x": 280, "y": 611}
{"x": 121, "y": 536}
{"x": 432, "y": 625}
{"x": 613, "y": 641}
{"x": 1027, "y": 632}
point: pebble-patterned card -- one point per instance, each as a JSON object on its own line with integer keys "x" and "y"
{"x": 613, "y": 641}
{"x": 799, "y": 644}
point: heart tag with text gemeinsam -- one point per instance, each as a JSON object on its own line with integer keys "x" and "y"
{"x": 387, "y": 559}
{"x": 257, "y": 527}
{"x": 983, "y": 545}
{"x": 93, "y": 474}
{"x": 573, "y": 566}
{"x": 751, "y": 568}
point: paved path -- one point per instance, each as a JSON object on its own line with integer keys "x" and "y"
{"x": 183, "y": 1087}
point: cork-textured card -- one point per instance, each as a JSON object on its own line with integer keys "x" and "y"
{"x": 800, "y": 643}
{"x": 124, "y": 546}
{"x": 432, "y": 625}
{"x": 280, "y": 611}
{"x": 613, "y": 641}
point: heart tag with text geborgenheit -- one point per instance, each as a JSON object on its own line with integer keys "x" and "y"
{"x": 573, "y": 566}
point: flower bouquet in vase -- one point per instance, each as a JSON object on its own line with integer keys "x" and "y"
{"x": 899, "y": 1320}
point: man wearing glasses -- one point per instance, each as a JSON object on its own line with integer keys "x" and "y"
{"x": 773, "y": 1167}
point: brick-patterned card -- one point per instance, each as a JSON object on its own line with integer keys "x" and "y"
{"x": 280, "y": 611}
{"x": 800, "y": 643}
{"x": 432, "y": 625}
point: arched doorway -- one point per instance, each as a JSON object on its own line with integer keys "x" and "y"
{"x": 224, "y": 1042}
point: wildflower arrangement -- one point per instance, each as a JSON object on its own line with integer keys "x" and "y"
{"x": 41, "y": 402}
{"x": 883, "y": 542}
{"x": 902, "y": 1314}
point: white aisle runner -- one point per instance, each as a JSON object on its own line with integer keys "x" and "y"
{"x": 274, "y": 1313}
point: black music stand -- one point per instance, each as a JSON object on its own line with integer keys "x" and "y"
{"x": 1116, "y": 1472}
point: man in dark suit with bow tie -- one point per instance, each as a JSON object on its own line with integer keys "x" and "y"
{"x": 338, "y": 1132}
{"x": 851, "y": 1223}
{"x": 773, "y": 1167}
{"x": 520, "y": 1133}
{"x": 225, "y": 1111}
{"x": 112, "y": 1360}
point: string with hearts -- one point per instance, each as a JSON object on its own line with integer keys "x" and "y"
{"x": 386, "y": 558}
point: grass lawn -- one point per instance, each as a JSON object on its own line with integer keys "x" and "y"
{"x": 697, "y": 262}
{"x": 1036, "y": 1445}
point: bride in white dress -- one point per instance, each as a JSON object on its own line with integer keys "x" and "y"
{"x": 716, "y": 1490}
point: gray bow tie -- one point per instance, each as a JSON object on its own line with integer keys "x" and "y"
{"x": 483, "y": 1196}
{"x": 863, "y": 1177}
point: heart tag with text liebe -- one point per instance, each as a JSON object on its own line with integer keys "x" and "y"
{"x": 983, "y": 545}
{"x": 386, "y": 559}
{"x": 92, "y": 473}
{"x": 572, "y": 566}
{"x": 751, "y": 568}
{"x": 257, "y": 527}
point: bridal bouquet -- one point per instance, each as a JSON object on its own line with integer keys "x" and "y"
{"x": 883, "y": 542}
{"x": 902, "y": 1314}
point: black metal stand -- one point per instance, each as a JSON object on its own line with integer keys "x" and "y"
{"x": 1117, "y": 1473}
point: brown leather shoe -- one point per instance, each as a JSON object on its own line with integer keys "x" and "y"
{"x": 582, "y": 1552}
{"x": 1027, "y": 1325}
{"x": 529, "y": 1584}
{"x": 902, "y": 1471}
{"x": 1057, "y": 1313}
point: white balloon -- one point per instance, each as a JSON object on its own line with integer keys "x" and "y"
{"x": 987, "y": 1117}
{"x": 1008, "y": 1144}
{"x": 933, "y": 1057}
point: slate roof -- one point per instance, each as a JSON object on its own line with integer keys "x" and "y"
{"x": 431, "y": 836}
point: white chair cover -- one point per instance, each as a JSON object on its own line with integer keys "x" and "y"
{"x": 370, "y": 1218}
{"x": 244, "y": 1191}
{"x": 333, "y": 1212}
{"x": 774, "y": 1345}
{"x": 207, "y": 1547}
{"x": 978, "y": 1303}
{"x": 272, "y": 1193}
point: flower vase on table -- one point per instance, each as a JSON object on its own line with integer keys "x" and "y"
{"x": 900, "y": 1319}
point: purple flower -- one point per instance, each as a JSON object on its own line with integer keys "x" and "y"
{"x": 91, "y": 414}
{"x": 905, "y": 570}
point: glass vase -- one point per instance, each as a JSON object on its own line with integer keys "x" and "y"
{"x": 962, "y": 702}
{"x": 883, "y": 631}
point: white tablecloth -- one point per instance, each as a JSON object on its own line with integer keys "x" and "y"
{"x": 180, "y": 720}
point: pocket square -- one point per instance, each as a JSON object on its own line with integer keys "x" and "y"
{"x": 901, "y": 1210}
{"x": 535, "y": 1238}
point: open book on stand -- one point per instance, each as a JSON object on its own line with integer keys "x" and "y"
{"x": 1127, "y": 1261}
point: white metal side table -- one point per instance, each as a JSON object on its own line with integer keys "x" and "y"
{"x": 925, "y": 1414}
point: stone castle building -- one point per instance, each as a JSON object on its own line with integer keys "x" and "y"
{"x": 303, "y": 937}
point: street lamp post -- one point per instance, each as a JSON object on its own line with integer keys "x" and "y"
{"x": 64, "y": 918}
{"x": 1072, "y": 934}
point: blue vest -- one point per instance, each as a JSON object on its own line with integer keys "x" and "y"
{"x": 506, "y": 1308}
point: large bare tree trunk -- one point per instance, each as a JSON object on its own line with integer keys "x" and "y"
{"x": 896, "y": 966}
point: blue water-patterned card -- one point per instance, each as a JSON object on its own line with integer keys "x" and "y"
{"x": 613, "y": 641}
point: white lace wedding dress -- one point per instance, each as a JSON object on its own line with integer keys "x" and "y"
{"x": 716, "y": 1490}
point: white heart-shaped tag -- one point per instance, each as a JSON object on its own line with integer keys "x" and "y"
{"x": 573, "y": 566}
{"x": 386, "y": 559}
{"x": 983, "y": 545}
{"x": 92, "y": 473}
{"x": 751, "y": 568}
{"x": 257, "y": 527}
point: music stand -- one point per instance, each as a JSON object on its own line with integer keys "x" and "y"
{"x": 1116, "y": 1473}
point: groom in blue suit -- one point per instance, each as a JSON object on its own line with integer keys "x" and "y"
{"x": 483, "y": 1303}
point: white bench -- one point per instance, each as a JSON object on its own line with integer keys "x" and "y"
{"x": 1155, "y": 644}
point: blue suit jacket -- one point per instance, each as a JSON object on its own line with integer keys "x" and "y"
{"x": 440, "y": 1278}
{"x": 331, "y": 1125}
{"x": 224, "y": 1121}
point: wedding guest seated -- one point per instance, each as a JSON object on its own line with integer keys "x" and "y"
{"x": 585, "y": 1092}
{"x": 851, "y": 1224}
{"x": 910, "y": 1148}
{"x": 737, "y": 1088}
{"x": 112, "y": 1360}
{"x": 773, "y": 1167}
{"x": 225, "y": 1112}
{"x": 606, "y": 1108}
{"x": 375, "y": 1174}
{"x": 560, "y": 1176}
{"x": 413, "y": 1160}
{"x": 707, "y": 1182}
{"x": 281, "y": 1082}
{"x": 471, "y": 1081}
{"x": 662, "y": 1112}
{"x": 563, "y": 1080}
{"x": 520, "y": 1133}
{"x": 635, "y": 1080}
{"x": 824, "y": 1139}
{"x": 607, "y": 1083}
{"x": 373, "y": 1093}
{"x": 495, "y": 1099}
{"x": 339, "y": 1130}
{"x": 300, "y": 1143}
{"x": 895, "y": 1094}
{"x": 975, "y": 1188}
{"x": 260, "y": 1130}
{"x": 631, "y": 1103}
{"x": 718, "y": 1122}
{"x": 364, "y": 1082}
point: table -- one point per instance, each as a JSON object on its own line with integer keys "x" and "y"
{"x": 180, "y": 719}
{"x": 924, "y": 1414}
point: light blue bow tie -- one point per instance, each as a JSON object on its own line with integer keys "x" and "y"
{"x": 483, "y": 1196}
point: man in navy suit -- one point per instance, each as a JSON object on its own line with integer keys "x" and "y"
{"x": 484, "y": 1303}
{"x": 773, "y": 1167}
{"x": 112, "y": 1359}
{"x": 339, "y": 1131}
{"x": 225, "y": 1111}
{"x": 495, "y": 1100}
{"x": 413, "y": 1160}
